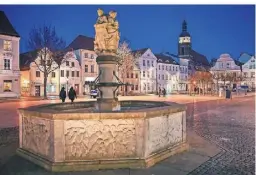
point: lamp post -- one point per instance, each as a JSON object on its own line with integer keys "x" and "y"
{"x": 67, "y": 85}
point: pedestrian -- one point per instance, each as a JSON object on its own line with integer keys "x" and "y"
{"x": 72, "y": 94}
{"x": 63, "y": 94}
{"x": 164, "y": 92}
{"x": 159, "y": 92}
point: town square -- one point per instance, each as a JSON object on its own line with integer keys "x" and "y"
{"x": 123, "y": 89}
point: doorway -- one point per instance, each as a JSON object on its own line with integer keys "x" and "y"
{"x": 37, "y": 91}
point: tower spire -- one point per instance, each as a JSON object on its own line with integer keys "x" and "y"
{"x": 184, "y": 26}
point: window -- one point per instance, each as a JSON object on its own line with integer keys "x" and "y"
{"x": 166, "y": 68}
{"x": 173, "y": 68}
{"x": 85, "y": 68}
{"x": 159, "y": 67}
{"x": 77, "y": 73}
{"x": 152, "y": 62}
{"x": 131, "y": 75}
{"x": 228, "y": 65}
{"x": 7, "y": 45}
{"x": 159, "y": 76}
{"x": 37, "y": 73}
{"x": 148, "y": 86}
{"x": 182, "y": 51}
{"x": 62, "y": 73}
{"x": 72, "y": 64}
{"x": 144, "y": 86}
{"x": 148, "y": 63}
{"x": 7, "y": 65}
{"x": 170, "y": 68}
{"x": 92, "y": 68}
{"x": 92, "y": 56}
{"x": 132, "y": 88}
{"x": 153, "y": 73}
{"x": 86, "y": 55}
{"x": 143, "y": 73}
{"x": 53, "y": 74}
{"x": 163, "y": 77}
{"x": 166, "y": 77}
{"x": 67, "y": 73}
{"x": 162, "y": 67}
{"x": 176, "y": 68}
{"x": 127, "y": 75}
{"x": 148, "y": 73}
{"x": 136, "y": 87}
{"x": 67, "y": 63}
{"x": 7, "y": 85}
{"x": 252, "y": 74}
{"x": 136, "y": 75}
{"x": 73, "y": 73}
{"x": 144, "y": 64}
{"x": 245, "y": 74}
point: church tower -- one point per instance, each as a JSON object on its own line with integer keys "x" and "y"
{"x": 184, "y": 45}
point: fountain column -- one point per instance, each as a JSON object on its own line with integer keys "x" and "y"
{"x": 105, "y": 45}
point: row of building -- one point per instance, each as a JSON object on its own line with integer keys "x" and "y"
{"x": 19, "y": 74}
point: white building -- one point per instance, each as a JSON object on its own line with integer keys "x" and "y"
{"x": 168, "y": 73}
{"x": 9, "y": 59}
{"x": 83, "y": 47}
{"x": 248, "y": 69}
{"x": 70, "y": 73}
{"x": 147, "y": 65}
{"x": 224, "y": 65}
{"x": 32, "y": 78}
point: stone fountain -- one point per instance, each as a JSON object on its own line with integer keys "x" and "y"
{"x": 106, "y": 134}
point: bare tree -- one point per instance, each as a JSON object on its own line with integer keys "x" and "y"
{"x": 49, "y": 49}
{"x": 127, "y": 60}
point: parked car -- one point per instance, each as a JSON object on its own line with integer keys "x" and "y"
{"x": 94, "y": 93}
{"x": 244, "y": 88}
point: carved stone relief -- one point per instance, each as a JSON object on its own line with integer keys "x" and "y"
{"x": 163, "y": 132}
{"x": 98, "y": 139}
{"x": 36, "y": 135}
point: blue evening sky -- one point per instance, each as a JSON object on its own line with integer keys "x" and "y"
{"x": 215, "y": 29}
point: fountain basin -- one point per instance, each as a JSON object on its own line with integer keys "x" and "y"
{"x": 75, "y": 137}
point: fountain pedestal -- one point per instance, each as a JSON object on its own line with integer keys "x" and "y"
{"x": 107, "y": 84}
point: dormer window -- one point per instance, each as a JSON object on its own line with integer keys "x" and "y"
{"x": 7, "y": 45}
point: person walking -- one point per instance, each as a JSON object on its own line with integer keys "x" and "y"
{"x": 159, "y": 92}
{"x": 164, "y": 92}
{"x": 72, "y": 94}
{"x": 63, "y": 94}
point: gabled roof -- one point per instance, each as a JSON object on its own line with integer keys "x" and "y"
{"x": 140, "y": 51}
{"x": 161, "y": 58}
{"x": 82, "y": 42}
{"x": 6, "y": 27}
{"x": 27, "y": 58}
{"x": 199, "y": 58}
{"x": 244, "y": 57}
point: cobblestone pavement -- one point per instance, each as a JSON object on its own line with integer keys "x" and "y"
{"x": 230, "y": 124}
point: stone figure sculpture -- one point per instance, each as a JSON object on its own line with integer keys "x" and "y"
{"x": 106, "y": 33}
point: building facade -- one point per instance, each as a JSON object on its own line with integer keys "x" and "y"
{"x": 168, "y": 74}
{"x": 9, "y": 59}
{"x": 32, "y": 78}
{"x": 83, "y": 47}
{"x": 227, "y": 70}
{"x": 147, "y": 63}
{"x": 248, "y": 69}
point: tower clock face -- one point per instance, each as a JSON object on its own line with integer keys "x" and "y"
{"x": 184, "y": 40}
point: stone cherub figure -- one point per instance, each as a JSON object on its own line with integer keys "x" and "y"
{"x": 107, "y": 35}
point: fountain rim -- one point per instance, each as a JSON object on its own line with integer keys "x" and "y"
{"x": 43, "y": 111}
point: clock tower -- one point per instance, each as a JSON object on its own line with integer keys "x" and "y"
{"x": 184, "y": 45}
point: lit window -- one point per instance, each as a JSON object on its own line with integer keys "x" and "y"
{"x": 7, "y": 45}
{"x": 7, "y": 85}
{"x": 7, "y": 65}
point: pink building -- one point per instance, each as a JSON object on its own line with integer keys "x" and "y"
{"x": 9, "y": 59}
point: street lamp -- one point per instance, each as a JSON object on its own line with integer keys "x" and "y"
{"x": 67, "y": 84}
